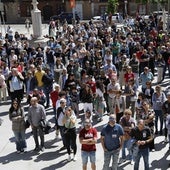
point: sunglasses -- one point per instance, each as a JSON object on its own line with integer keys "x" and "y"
{"x": 128, "y": 114}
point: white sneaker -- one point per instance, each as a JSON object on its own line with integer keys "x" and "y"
{"x": 25, "y": 149}
{"x": 132, "y": 162}
{"x": 74, "y": 158}
{"x": 69, "y": 158}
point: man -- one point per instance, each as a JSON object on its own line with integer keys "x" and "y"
{"x": 15, "y": 85}
{"x": 145, "y": 77}
{"x": 112, "y": 88}
{"x": 47, "y": 80}
{"x": 143, "y": 137}
{"x": 38, "y": 75}
{"x": 88, "y": 139}
{"x": 127, "y": 122}
{"x": 60, "y": 124}
{"x": 36, "y": 113}
{"x": 166, "y": 112}
{"x": 134, "y": 63}
{"x": 111, "y": 140}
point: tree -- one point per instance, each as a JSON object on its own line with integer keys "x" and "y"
{"x": 112, "y": 6}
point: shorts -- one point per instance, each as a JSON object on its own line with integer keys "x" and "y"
{"x": 85, "y": 155}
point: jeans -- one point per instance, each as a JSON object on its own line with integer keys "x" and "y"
{"x": 70, "y": 137}
{"x": 36, "y": 131}
{"x": 20, "y": 140}
{"x": 51, "y": 65}
{"x": 107, "y": 158}
{"x": 158, "y": 114}
{"x": 145, "y": 154}
{"x": 61, "y": 128}
{"x": 125, "y": 144}
{"x": 85, "y": 155}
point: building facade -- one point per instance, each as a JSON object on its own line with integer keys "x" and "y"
{"x": 17, "y": 11}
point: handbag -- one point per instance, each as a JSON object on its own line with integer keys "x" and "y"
{"x": 45, "y": 125}
{"x": 27, "y": 124}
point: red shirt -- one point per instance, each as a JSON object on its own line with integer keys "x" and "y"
{"x": 54, "y": 97}
{"x": 92, "y": 85}
{"x": 88, "y": 134}
{"x": 129, "y": 76}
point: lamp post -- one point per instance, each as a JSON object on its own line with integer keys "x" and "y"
{"x": 168, "y": 26}
{"x": 126, "y": 7}
{"x": 2, "y": 22}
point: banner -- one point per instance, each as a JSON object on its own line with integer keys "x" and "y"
{"x": 72, "y": 3}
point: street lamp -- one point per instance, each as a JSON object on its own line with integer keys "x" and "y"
{"x": 125, "y": 7}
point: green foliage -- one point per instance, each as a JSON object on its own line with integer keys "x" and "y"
{"x": 112, "y": 6}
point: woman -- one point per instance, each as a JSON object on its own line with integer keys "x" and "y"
{"x": 69, "y": 122}
{"x": 158, "y": 98}
{"x": 147, "y": 114}
{"x": 3, "y": 87}
{"x": 16, "y": 115}
{"x": 160, "y": 67}
{"x": 99, "y": 100}
{"x": 86, "y": 97}
{"x": 149, "y": 91}
{"x": 130, "y": 93}
{"x": 138, "y": 104}
{"x": 120, "y": 105}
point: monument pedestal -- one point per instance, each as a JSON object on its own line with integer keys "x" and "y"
{"x": 37, "y": 26}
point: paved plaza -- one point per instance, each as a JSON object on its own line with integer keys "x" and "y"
{"x": 54, "y": 159}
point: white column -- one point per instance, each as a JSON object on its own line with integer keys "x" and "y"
{"x": 164, "y": 20}
{"x": 92, "y": 8}
{"x": 36, "y": 21}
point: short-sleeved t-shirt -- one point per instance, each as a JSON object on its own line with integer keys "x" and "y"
{"x": 141, "y": 135}
{"x": 111, "y": 136}
{"x": 88, "y": 134}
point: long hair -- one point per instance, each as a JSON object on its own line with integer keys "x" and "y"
{"x": 11, "y": 109}
{"x": 100, "y": 85}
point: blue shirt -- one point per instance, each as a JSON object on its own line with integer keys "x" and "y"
{"x": 111, "y": 136}
{"x": 145, "y": 77}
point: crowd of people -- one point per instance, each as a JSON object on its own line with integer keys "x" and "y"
{"x": 101, "y": 67}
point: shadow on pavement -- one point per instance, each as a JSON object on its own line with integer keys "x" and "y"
{"x": 161, "y": 163}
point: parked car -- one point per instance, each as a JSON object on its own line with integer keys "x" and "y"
{"x": 68, "y": 16}
{"x": 116, "y": 18}
{"x": 96, "y": 19}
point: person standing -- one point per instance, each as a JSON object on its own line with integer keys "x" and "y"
{"x": 143, "y": 137}
{"x": 112, "y": 141}
{"x": 88, "y": 139}
{"x": 59, "y": 116}
{"x": 144, "y": 77}
{"x": 36, "y": 113}
{"x": 47, "y": 80}
{"x": 16, "y": 115}
{"x": 69, "y": 121}
{"x": 3, "y": 92}
{"x": 166, "y": 112}
{"x": 158, "y": 98}
{"x": 127, "y": 122}
{"x": 15, "y": 84}
{"x": 38, "y": 75}
{"x": 112, "y": 88}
